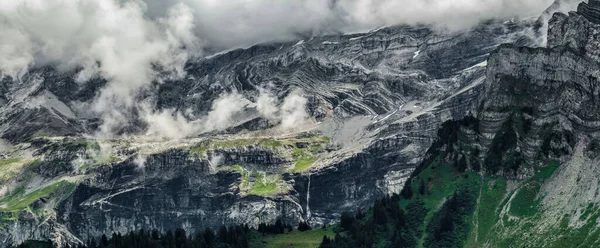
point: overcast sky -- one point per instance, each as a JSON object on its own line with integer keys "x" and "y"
{"x": 71, "y": 32}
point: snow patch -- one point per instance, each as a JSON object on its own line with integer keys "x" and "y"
{"x": 357, "y": 38}
{"x": 482, "y": 64}
{"x": 416, "y": 53}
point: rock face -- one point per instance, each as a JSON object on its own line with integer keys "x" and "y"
{"x": 590, "y": 10}
{"x": 528, "y": 156}
{"x": 171, "y": 191}
{"x": 535, "y": 134}
{"x": 548, "y": 96}
{"x": 379, "y": 98}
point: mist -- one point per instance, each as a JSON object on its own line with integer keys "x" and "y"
{"x": 223, "y": 111}
{"x": 132, "y": 43}
{"x": 239, "y": 23}
{"x": 121, "y": 38}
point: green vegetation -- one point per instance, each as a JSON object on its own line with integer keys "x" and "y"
{"x": 7, "y": 217}
{"x": 4, "y": 162}
{"x": 245, "y": 176}
{"x": 304, "y": 159}
{"x": 265, "y": 185}
{"x": 450, "y": 225}
{"x": 437, "y": 184}
{"x": 584, "y": 236}
{"x": 100, "y": 160}
{"x": 525, "y": 202}
{"x": 526, "y": 199}
{"x": 257, "y": 183}
{"x": 493, "y": 192}
{"x": 295, "y": 239}
{"x": 444, "y": 204}
{"x": 237, "y": 236}
{"x": 18, "y": 200}
{"x": 546, "y": 172}
{"x": 206, "y": 145}
{"x": 68, "y": 145}
{"x": 10, "y": 168}
{"x": 304, "y": 151}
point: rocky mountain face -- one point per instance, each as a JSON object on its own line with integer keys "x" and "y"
{"x": 555, "y": 96}
{"x": 528, "y": 157}
{"x": 376, "y": 101}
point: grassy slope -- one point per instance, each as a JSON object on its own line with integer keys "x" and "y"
{"x": 10, "y": 168}
{"x": 265, "y": 185}
{"x": 18, "y": 200}
{"x": 522, "y": 218}
{"x": 294, "y": 239}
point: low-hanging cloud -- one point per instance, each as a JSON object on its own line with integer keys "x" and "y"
{"x": 169, "y": 124}
{"x": 112, "y": 39}
{"x": 235, "y": 23}
{"x": 293, "y": 111}
{"x": 121, "y": 38}
{"x": 266, "y": 104}
{"x": 132, "y": 43}
{"x": 223, "y": 111}
{"x": 290, "y": 114}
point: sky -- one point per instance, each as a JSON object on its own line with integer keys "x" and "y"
{"x": 82, "y": 32}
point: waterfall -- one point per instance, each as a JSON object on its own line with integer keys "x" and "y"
{"x": 308, "y": 199}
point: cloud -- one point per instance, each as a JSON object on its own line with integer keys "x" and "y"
{"x": 4, "y": 146}
{"x": 239, "y": 23}
{"x": 168, "y": 124}
{"x": 227, "y": 111}
{"x": 223, "y": 111}
{"x": 216, "y": 160}
{"x": 122, "y": 38}
{"x": 266, "y": 104}
{"x": 110, "y": 38}
{"x": 132, "y": 43}
{"x": 140, "y": 162}
{"x": 291, "y": 114}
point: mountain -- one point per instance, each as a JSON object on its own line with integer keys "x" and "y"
{"x": 484, "y": 111}
{"x": 522, "y": 171}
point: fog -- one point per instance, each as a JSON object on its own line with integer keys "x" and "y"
{"x": 129, "y": 42}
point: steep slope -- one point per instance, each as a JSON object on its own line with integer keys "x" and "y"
{"x": 522, "y": 172}
{"x": 377, "y": 100}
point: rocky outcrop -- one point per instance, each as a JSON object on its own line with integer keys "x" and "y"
{"x": 590, "y": 10}
{"x": 170, "y": 191}
{"x": 548, "y": 96}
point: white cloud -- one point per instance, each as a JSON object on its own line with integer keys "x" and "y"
{"x": 111, "y": 38}
{"x": 293, "y": 113}
{"x": 266, "y": 104}
{"x": 140, "y": 161}
{"x": 168, "y": 124}
{"x": 125, "y": 41}
{"x": 125, "y": 36}
{"x": 235, "y": 23}
{"x": 223, "y": 112}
